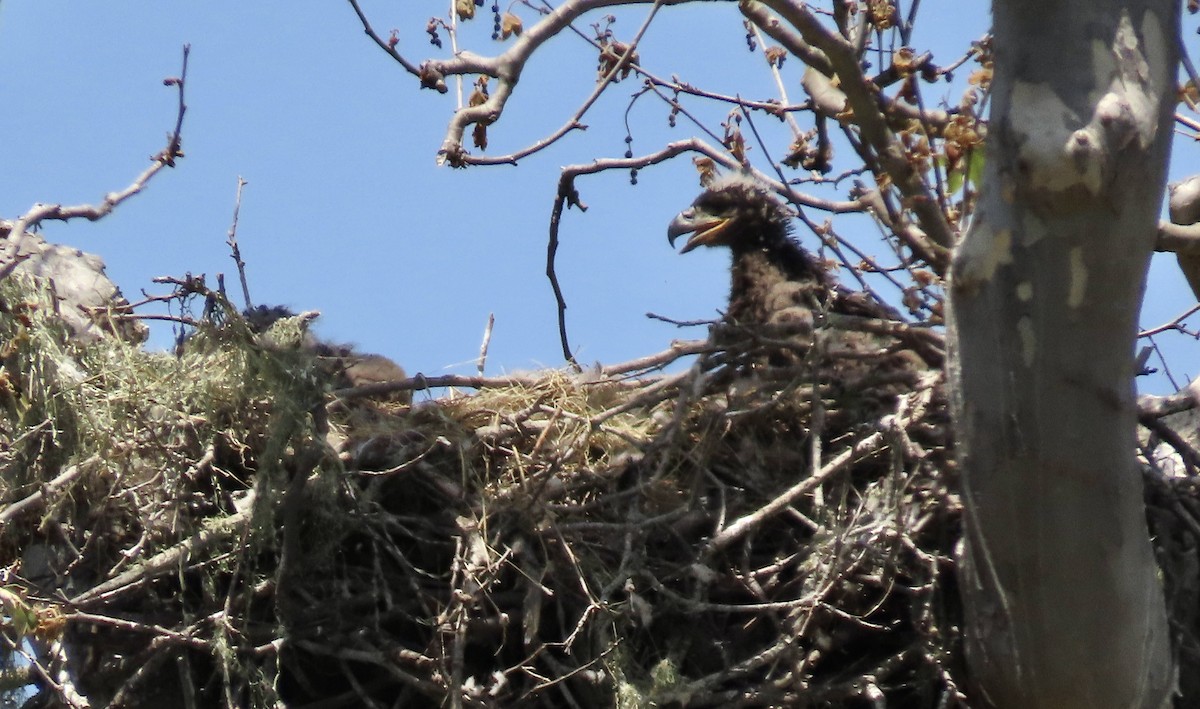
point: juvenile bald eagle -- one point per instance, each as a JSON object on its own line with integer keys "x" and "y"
{"x": 781, "y": 293}
{"x": 774, "y": 281}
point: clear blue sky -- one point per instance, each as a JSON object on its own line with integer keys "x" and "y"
{"x": 346, "y": 212}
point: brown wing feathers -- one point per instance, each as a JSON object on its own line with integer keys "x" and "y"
{"x": 776, "y": 287}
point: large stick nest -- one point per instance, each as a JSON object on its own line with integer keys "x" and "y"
{"x": 219, "y": 528}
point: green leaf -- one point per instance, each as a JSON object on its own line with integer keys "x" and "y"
{"x": 975, "y": 161}
{"x": 956, "y": 177}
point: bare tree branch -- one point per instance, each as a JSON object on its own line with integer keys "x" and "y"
{"x": 385, "y": 46}
{"x": 37, "y": 499}
{"x": 231, "y": 240}
{"x": 508, "y": 68}
{"x": 862, "y": 100}
{"x": 93, "y": 212}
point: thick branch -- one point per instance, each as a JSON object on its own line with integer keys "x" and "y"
{"x": 506, "y": 68}
{"x": 1178, "y": 238}
{"x": 1155, "y": 407}
{"x": 168, "y": 560}
{"x": 37, "y": 499}
{"x": 863, "y": 101}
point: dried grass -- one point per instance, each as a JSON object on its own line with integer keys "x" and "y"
{"x": 219, "y": 529}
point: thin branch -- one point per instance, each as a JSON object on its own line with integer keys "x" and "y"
{"x": 64, "y": 688}
{"x": 779, "y": 84}
{"x": 840, "y": 463}
{"x": 568, "y": 196}
{"x": 1174, "y": 324}
{"x": 862, "y": 99}
{"x": 231, "y": 240}
{"x": 129, "y": 625}
{"x": 772, "y": 107}
{"x": 420, "y": 382}
{"x": 560, "y": 300}
{"x": 1186, "y": 60}
{"x": 452, "y": 150}
{"x": 1189, "y": 122}
{"x": 605, "y": 375}
{"x": 385, "y": 46}
{"x": 818, "y": 62}
{"x": 94, "y": 212}
{"x": 658, "y": 361}
{"x": 487, "y": 340}
{"x": 506, "y": 68}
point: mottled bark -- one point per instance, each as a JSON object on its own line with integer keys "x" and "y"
{"x": 1064, "y": 606}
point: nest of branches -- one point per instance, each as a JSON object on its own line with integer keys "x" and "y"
{"x": 219, "y": 528}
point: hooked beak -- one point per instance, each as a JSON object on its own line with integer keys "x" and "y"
{"x": 705, "y": 230}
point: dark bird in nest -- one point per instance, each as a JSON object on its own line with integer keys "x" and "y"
{"x": 778, "y": 291}
{"x": 774, "y": 280}
{"x": 278, "y": 327}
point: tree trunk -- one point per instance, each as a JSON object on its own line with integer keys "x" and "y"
{"x": 1064, "y": 608}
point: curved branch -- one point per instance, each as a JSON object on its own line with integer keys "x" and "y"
{"x": 506, "y": 68}
{"x": 11, "y": 254}
{"x": 568, "y": 196}
{"x": 863, "y": 102}
{"x": 794, "y": 43}
{"x": 385, "y": 46}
